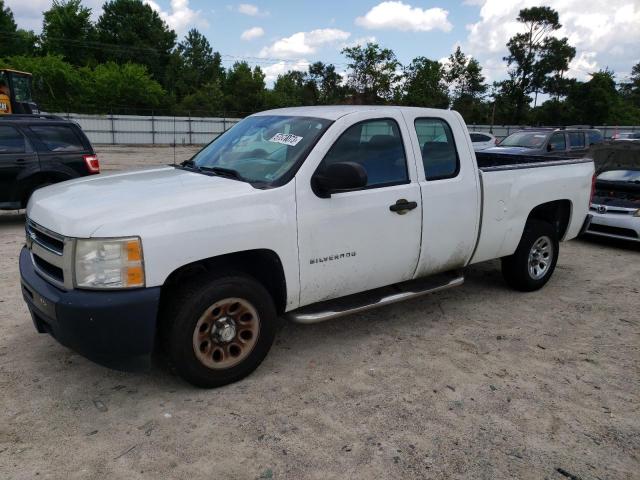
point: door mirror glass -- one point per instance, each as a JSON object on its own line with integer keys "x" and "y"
{"x": 339, "y": 177}
{"x": 550, "y": 148}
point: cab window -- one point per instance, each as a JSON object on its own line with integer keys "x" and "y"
{"x": 438, "y": 148}
{"x": 558, "y": 142}
{"x": 377, "y": 146}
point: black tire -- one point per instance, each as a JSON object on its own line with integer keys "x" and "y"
{"x": 185, "y": 310}
{"x": 515, "y": 268}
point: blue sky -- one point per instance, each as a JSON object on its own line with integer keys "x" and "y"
{"x": 282, "y": 34}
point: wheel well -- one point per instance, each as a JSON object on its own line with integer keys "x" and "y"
{"x": 262, "y": 264}
{"x": 557, "y": 213}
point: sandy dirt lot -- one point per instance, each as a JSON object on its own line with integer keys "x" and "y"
{"x": 476, "y": 382}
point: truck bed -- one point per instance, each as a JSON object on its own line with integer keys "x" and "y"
{"x": 499, "y": 161}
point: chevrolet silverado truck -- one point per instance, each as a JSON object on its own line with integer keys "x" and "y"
{"x": 307, "y": 213}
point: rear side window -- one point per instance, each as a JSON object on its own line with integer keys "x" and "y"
{"x": 11, "y": 140}
{"x": 439, "y": 155}
{"x": 576, "y": 139}
{"x": 558, "y": 141}
{"x": 58, "y": 138}
{"x": 478, "y": 137}
{"x": 595, "y": 137}
{"x": 377, "y": 146}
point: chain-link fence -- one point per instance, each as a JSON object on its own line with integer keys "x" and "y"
{"x": 150, "y": 129}
{"x": 196, "y": 130}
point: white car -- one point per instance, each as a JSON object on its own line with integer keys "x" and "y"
{"x": 615, "y": 207}
{"x": 310, "y": 213}
{"x": 482, "y": 140}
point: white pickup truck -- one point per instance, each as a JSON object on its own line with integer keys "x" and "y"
{"x": 308, "y": 213}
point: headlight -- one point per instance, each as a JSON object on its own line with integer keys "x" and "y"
{"x": 109, "y": 263}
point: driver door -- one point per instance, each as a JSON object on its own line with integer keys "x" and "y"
{"x": 357, "y": 240}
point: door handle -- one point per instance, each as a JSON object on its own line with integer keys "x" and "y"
{"x": 20, "y": 160}
{"x": 402, "y": 206}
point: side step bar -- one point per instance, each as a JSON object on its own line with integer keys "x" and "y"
{"x": 359, "y": 302}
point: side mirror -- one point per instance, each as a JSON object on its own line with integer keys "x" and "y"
{"x": 550, "y": 148}
{"x": 338, "y": 177}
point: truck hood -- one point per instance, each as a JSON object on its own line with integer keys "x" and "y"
{"x": 512, "y": 150}
{"x": 78, "y": 208}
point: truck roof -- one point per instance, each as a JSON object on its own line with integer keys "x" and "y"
{"x": 333, "y": 112}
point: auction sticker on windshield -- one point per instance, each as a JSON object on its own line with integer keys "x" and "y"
{"x": 286, "y": 139}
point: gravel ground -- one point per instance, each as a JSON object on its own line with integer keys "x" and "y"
{"x": 475, "y": 382}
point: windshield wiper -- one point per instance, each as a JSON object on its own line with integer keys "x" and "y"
{"x": 224, "y": 172}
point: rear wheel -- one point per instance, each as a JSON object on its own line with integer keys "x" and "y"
{"x": 219, "y": 329}
{"x": 534, "y": 261}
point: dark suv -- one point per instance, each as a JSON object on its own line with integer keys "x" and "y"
{"x": 38, "y": 150}
{"x": 549, "y": 141}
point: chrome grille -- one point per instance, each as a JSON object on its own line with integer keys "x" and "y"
{"x": 51, "y": 254}
{"x": 613, "y": 209}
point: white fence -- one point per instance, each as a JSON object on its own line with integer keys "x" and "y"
{"x": 166, "y": 130}
{"x": 149, "y": 129}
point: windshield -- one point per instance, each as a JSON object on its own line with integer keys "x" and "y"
{"x": 262, "y": 148}
{"x": 22, "y": 88}
{"x": 524, "y": 139}
{"x": 621, "y": 176}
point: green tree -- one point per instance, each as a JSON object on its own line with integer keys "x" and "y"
{"x": 467, "y": 85}
{"x": 67, "y": 30}
{"x": 630, "y": 90}
{"x": 425, "y": 85}
{"x": 292, "y": 89}
{"x": 135, "y": 33}
{"x": 372, "y": 73}
{"x": 207, "y": 101}
{"x": 14, "y": 41}
{"x": 328, "y": 83}
{"x": 200, "y": 64}
{"x": 554, "y": 65}
{"x": 126, "y": 88}
{"x": 244, "y": 89}
{"x": 533, "y": 55}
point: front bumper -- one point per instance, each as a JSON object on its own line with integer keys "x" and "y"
{"x": 101, "y": 325}
{"x": 614, "y": 225}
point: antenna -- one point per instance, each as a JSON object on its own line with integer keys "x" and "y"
{"x": 174, "y": 140}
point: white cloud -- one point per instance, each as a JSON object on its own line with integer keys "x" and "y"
{"x": 248, "y": 9}
{"x": 304, "y": 43}
{"x": 180, "y": 17}
{"x": 397, "y": 15}
{"x": 360, "y": 41}
{"x": 271, "y": 72}
{"x": 603, "y": 33}
{"x": 252, "y": 33}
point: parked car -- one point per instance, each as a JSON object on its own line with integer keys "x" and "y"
{"x": 311, "y": 213}
{"x": 626, "y": 137}
{"x": 482, "y": 140}
{"x": 549, "y": 141}
{"x": 616, "y": 205}
{"x": 39, "y": 150}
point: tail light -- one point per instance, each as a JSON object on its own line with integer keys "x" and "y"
{"x": 92, "y": 162}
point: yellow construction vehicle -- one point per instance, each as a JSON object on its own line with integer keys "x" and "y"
{"x": 15, "y": 93}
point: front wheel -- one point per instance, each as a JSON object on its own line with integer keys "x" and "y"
{"x": 534, "y": 261}
{"x": 217, "y": 330}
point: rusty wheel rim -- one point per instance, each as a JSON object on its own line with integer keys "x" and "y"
{"x": 226, "y": 333}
